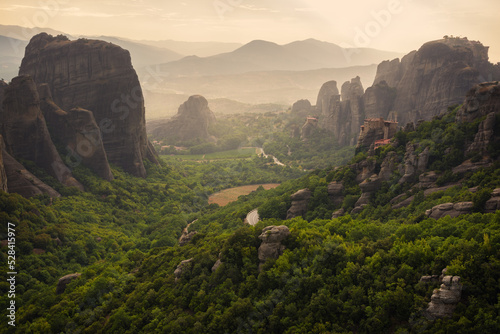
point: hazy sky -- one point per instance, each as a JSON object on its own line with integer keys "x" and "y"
{"x": 396, "y": 25}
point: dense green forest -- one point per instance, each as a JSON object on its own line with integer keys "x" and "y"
{"x": 358, "y": 273}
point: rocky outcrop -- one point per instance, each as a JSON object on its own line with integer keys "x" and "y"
{"x": 445, "y": 299}
{"x": 308, "y": 128}
{"x": 328, "y": 94}
{"x": 410, "y": 164}
{"x": 78, "y": 132}
{"x": 378, "y": 101}
{"x": 368, "y": 187}
{"x": 392, "y": 71}
{"x": 338, "y": 213}
{"x": 300, "y": 202}
{"x": 427, "y": 179}
{"x": 493, "y": 204}
{"x": 450, "y": 209}
{"x": 336, "y": 192}
{"x": 439, "y": 74}
{"x": 342, "y": 114}
{"x": 182, "y": 268}
{"x": 22, "y": 182}
{"x": 302, "y": 106}
{"x": 191, "y": 121}
{"x": 271, "y": 246}
{"x": 97, "y": 76}
{"x": 64, "y": 281}
{"x": 25, "y": 132}
{"x": 388, "y": 166}
{"x": 480, "y": 101}
{"x": 469, "y": 166}
{"x": 484, "y": 136}
{"x": 186, "y": 238}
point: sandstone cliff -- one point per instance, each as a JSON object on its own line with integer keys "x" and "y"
{"x": 341, "y": 114}
{"x": 25, "y": 132}
{"x": 78, "y": 132}
{"x": 438, "y": 75}
{"x": 97, "y": 76}
{"x": 191, "y": 121}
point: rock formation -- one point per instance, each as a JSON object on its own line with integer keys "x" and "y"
{"x": 25, "y": 132}
{"x": 77, "y": 130}
{"x": 422, "y": 85}
{"x": 182, "y": 267}
{"x": 308, "y": 128}
{"x": 341, "y": 114}
{"x": 378, "y": 101}
{"x": 480, "y": 101}
{"x": 64, "y": 281}
{"x": 445, "y": 299}
{"x": 450, "y": 209}
{"x": 336, "y": 192}
{"x": 327, "y": 92}
{"x": 191, "y": 121}
{"x": 438, "y": 75}
{"x": 493, "y": 204}
{"x": 22, "y": 182}
{"x": 271, "y": 247}
{"x": 186, "y": 238}
{"x": 302, "y": 106}
{"x": 300, "y": 201}
{"x": 97, "y": 76}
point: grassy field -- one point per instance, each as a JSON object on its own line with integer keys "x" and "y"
{"x": 242, "y": 153}
{"x": 229, "y": 195}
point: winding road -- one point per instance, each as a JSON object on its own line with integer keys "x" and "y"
{"x": 252, "y": 217}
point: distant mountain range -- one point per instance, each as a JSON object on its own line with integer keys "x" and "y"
{"x": 261, "y": 55}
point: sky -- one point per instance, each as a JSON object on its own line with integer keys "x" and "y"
{"x": 393, "y": 25}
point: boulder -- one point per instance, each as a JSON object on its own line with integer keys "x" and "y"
{"x": 271, "y": 247}
{"x": 445, "y": 299}
{"x": 182, "y": 267}
{"x": 469, "y": 166}
{"x": 300, "y": 202}
{"x": 450, "y": 209}
{"x": 96, "y": 76}
{"x": 493, "y": 204}
{"x": 336, "y": 192}
{"x": 64, "y": 281}
{"x": 340, "y": 212}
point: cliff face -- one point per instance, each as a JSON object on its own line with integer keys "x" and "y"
{"x": 25, "y": 132}
{"x": 191, "y": 121}
{"x": 77, "y": 130}
{"x": 438, "y": 75}
{"x": 422, "y": 85}
{"x": 97, "y": 76}
{"x": 342, "y": 114}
